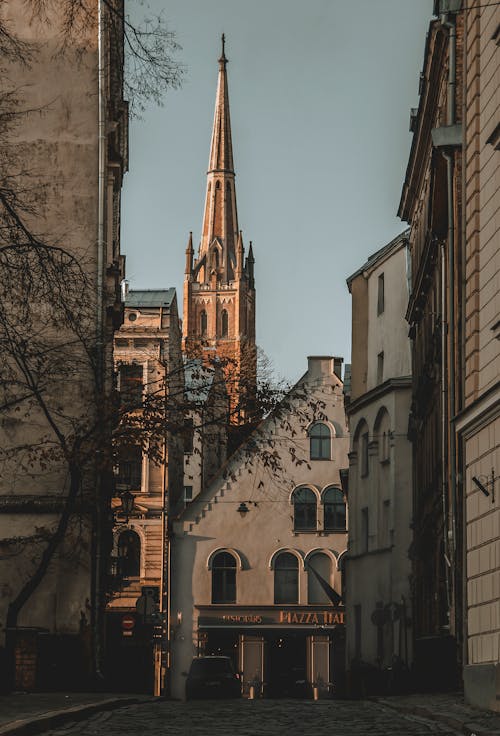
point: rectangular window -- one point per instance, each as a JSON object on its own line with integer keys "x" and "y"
{"x": 380, "y": 367}
{"x": 384, "y": 531}
{"x": 364, "y": 529}
{"x": 131, "y": 385}
{"x": 188, "y": 436}
{"x": 130, "y": 468}
{"x": 364, "y": 455}
{"x": 188, "y": 494}
{"x": 380, "y": 295}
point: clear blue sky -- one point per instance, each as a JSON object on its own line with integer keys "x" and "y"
{"x": 320, "y": 95}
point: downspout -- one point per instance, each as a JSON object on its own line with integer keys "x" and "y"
{"x": 97, "y": 633}
{"x": 449, "y": 157}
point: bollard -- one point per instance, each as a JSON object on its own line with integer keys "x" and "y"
{"x": 315, "y": 692}
{"x": 251, "y": 694}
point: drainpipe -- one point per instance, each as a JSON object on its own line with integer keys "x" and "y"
{"x": 98, "y": 530}
{"x": 446, "y": 139}
{"x": 449, "y": 157}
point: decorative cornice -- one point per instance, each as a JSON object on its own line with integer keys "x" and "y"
{"x": 392, "y": 384}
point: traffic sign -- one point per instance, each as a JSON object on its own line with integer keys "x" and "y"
{"x": 128, "y": 622}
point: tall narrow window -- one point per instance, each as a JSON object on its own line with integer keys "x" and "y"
{"x": 381, "y": 294}
{"x": 188, "y": 436}
{"x": 334, "y": 510}
{"x": 304, "y": 510}
{"x": 380, "y": 367}
{"x": 320, "y": 442}
{"x": 130, "y": 467}
{"x": 131, "y": 385}
{"x": 365, "y": 531}
{"x": 318, "y": 572}
{"x": 286, "y": 578}
{"x": 203, "y": 323}
{"x": 129, "y": 554}
{"x": 223, "y": 578}
{"x": 224, "y": 323}
{"x": 364, "y": 454}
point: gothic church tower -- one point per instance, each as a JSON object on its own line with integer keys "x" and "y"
{"x": 219, "y": 288}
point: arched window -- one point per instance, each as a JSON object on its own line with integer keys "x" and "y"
{"x": 320, "y": 442}
{"x": 203, "y": 323}
{"x": 217, "y": 184}
{"x": 223, "y": 578}
{"x": 215, "y": 258}
{"x": 334, "y": 510}
{"x": 319, "y": 568}
{"x": 286, "y": 578}
{"x": 304, "y": 510}
{"x": 224, "y": 323}
{"x": 129, "y": 554}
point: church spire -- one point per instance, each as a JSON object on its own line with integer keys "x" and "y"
{"x": 220, "y": 220}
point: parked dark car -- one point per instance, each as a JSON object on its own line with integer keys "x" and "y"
{"x": 212, "y": 677}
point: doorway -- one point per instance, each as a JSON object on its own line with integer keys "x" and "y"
{"x": 286, "y": 666}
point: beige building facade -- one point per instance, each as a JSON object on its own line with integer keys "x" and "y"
{"x": 257, "y": 557}
{"x": 150, "y": 382}
{"x": 378, "y": 568}
{"x": 478, "y": 425}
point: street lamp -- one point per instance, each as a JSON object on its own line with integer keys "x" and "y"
{"x": 127, "y": 504}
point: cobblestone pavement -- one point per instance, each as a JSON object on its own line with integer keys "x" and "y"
{"x": 254, "y": 718}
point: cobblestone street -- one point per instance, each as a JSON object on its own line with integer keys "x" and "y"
{"x": 254, "y": 718}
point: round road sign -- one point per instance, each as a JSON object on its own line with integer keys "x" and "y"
{"x": 128, "y": 623}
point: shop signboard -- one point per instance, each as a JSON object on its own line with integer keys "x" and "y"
{"x": 306, "y": 616}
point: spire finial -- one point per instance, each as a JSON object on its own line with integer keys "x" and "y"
{"x": 223, "y": 54}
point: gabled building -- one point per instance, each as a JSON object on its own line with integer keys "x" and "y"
{"x": 257, "y": 556}
{"x": 378, "y": 569}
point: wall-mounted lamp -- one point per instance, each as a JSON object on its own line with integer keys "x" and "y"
{"x": 242, "y": 509}
{"x": 482, "y": 482}
{"x": 127, "y": 504}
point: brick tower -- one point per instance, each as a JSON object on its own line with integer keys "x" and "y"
{"x": 219, "y": 288}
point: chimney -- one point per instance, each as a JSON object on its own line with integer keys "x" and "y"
{"x": 124, "y": 286}
{"x": 337, "y": 366}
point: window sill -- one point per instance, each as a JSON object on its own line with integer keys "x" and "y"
{"x": 320, "y": 459}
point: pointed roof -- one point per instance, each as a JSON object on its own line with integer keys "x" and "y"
{"x": 221, "y": 149}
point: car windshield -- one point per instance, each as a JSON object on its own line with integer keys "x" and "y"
{"x": 214, "y": 666}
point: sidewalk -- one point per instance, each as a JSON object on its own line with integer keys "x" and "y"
{"x": 30, "y": 713}
{"x": 449, "y": 708}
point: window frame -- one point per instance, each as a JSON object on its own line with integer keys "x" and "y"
{"x": 283, "y": 599}
{"x": 225, "y": 577}
{"x": 310, "y": 524}
{"x": 343, "y": 514}
{"x": 122, "y": 559}
{"x": 325, "y": 441}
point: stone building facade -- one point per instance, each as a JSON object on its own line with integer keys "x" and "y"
{"x": 431, "y": 203}
{"x": 149, "y": 369}
{"x": 257, "y": 557}
{"x": 71, "y": 152}
{"x": 478, "y": 425}
{"x": 378, "y": 568}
